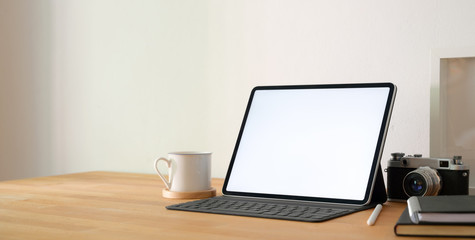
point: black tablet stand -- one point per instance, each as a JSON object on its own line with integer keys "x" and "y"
{"x": 379, "y": 190}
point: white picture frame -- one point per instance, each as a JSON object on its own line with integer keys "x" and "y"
{"x": 444, "y": 112}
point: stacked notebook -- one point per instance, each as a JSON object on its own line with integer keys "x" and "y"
{"x": 438, "y": 216}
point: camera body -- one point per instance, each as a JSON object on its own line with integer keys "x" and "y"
{"x": 418, "y": 176}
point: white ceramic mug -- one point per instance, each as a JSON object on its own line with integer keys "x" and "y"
{"x": 187, "y": 171}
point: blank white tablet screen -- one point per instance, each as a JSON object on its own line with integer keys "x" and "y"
{"x": 309, "y": 142}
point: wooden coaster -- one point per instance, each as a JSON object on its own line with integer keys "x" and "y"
{"x": 189, "y": 195}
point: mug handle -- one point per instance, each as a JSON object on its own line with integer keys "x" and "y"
{"x": 168, "y": 182}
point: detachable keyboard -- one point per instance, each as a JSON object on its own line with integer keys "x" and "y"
{"x": 288, "y": 210}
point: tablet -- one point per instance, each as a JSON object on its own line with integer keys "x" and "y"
{"x": 311, "y": 142}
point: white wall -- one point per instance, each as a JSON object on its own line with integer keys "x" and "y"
{"x": 112, "y": 85}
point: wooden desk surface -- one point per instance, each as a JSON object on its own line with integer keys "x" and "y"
{"x": 115, "y": 206}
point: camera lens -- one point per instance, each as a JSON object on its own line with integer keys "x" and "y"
{"x": 415, "y": 185}
{"x": 423, "y": 181}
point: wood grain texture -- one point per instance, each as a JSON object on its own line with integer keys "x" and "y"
{"x": 115, "y": 206}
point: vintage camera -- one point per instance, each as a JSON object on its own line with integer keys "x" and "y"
{"x": 418, "y": 176}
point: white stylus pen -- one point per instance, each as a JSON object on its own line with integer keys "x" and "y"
{"x": 374, "y": 215}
